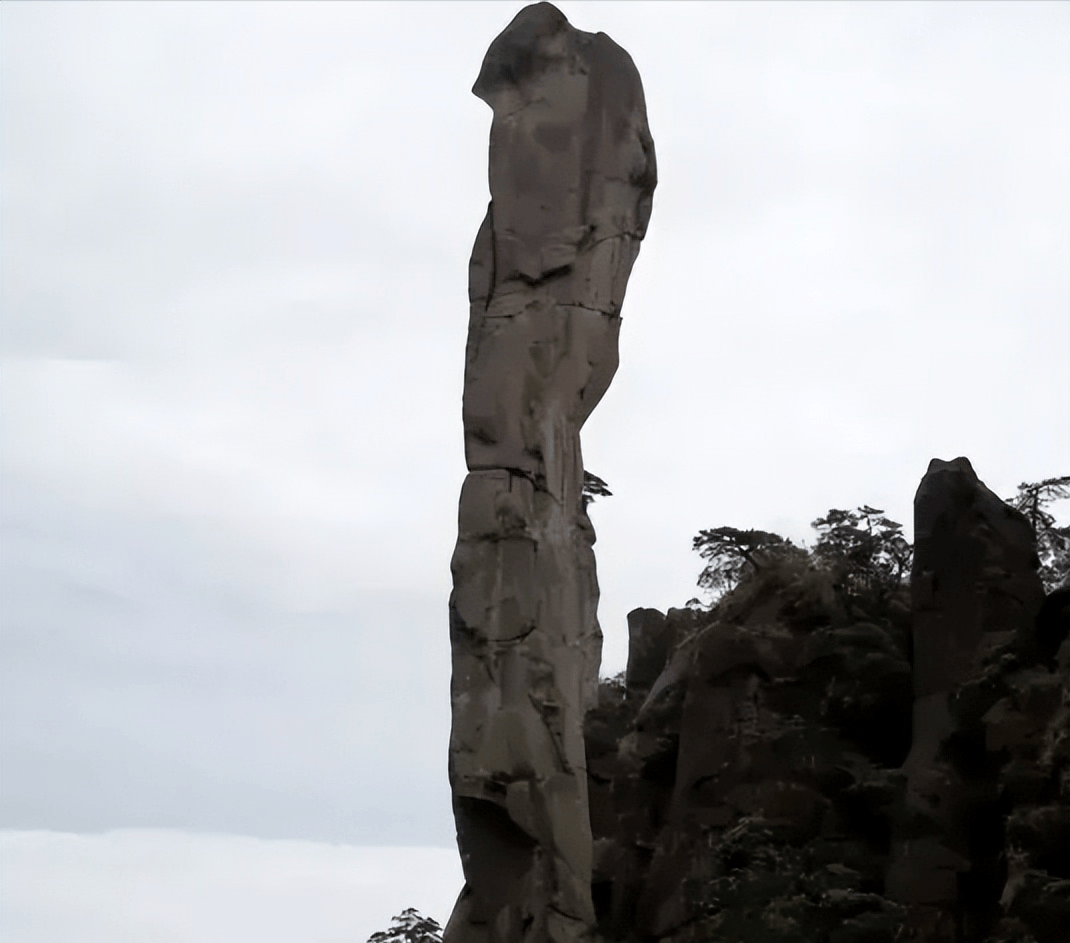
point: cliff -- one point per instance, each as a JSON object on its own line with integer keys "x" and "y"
{"x": 806, "y": 762}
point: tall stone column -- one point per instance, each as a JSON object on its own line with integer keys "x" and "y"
{"x": 572, "y": 175}
{"x": 974, "y": 588}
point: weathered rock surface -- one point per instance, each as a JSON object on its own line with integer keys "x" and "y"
{"x": 572, "y": 175}
{"x": 747, "y": 765}
{"x": 975, "y": 597}
{"x": 810, "y": 766}
{"x": 650, "y": 639}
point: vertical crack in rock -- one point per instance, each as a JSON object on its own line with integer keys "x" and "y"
{"x": 572, "y": 175}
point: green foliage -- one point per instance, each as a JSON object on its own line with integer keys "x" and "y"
{"x": 761, "y": 889}
{"x": 734, "y": 553}
{"x": 1053, "y": 542}
{"x": 409, "y": 927}
{"x": 865, "y": 551}
{"x": 593, "y": 487}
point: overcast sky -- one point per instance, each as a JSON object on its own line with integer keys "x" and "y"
{"x": 234, "y": 244}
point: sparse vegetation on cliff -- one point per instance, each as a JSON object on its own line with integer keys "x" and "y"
{"x": 865, "y": 552}
{"x": 756, "y": 789}
{"x": 857, "y": 567}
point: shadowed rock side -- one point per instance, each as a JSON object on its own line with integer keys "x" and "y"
{"x": 571, "y": 179}
{"x": 975, "y": 598}
{"x": 802, "y": 764}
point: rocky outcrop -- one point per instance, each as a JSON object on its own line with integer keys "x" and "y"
{"x": 975, "y": 597}
{"x": 747, "y": 769}
{"x": 814, "y": 765}
{"x": 650, "y": 641}
{"x": 572, "y": 175}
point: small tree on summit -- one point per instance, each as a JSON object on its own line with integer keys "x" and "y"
{"x": 734, "y": 553}
{"x": 865, "y": 550}
{"x": 410, "y": 926}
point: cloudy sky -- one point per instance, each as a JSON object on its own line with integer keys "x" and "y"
{"x": 234, "y": 255}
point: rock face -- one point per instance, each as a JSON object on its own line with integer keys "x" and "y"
{"x": 975, "y": 598}
{"x": 649, "y": 643}
{"x": 738, "y": 784}
{"x": 572, "y": 175}
{"x": 813, "y": 764}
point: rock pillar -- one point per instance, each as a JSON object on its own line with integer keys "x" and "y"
{"x": 572, "y": 175}
{"x": 975, "y": 590}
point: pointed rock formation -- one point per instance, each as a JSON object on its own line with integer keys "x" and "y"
{"x": 572, "y": 175}
{"x": 975, "y": 598}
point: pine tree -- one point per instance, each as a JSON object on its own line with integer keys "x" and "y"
{"x": 1053, "y": 542}
{"x": 410, "y": 926}
{"x": 866, "y": 551}
{"x": 734, "y": 553}
{"x": 593, "y": 487}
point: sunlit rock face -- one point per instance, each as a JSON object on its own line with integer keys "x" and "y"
{"x": 572, "y": 175}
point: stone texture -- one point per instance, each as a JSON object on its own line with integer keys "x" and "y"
{"x": 975, "y": 590}
{"x": 797, "y": 772}
{"x": 739, "y": 781}
{"x": 649, "y": 643}
{"x": 572, "y": 175}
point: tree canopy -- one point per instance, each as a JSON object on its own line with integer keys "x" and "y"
{"x": 733, "y": 553}
{"x": 593, "y": 487}
{"x": 1053, "y": 541}
{"x": 866, "y": 552}
{"x": 410, "y": 926}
